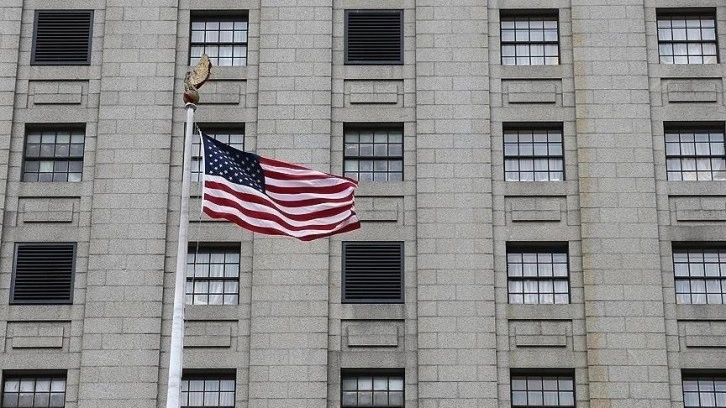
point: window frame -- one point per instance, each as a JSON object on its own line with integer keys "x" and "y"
{"x": 194, "y": 250}
{"x": 348, "y": 61}
{"x": 536, "y": 248}
{"x": 547, "y": 372}
{"x": 33, "y": 55}
{"x": 670, "y": 13}
{"x": 533, "y": 127}
{"x": 679, "y": 128}
{"x": 66, "y": 127}
{"x": 373, "y": 127}
{"x": 702, "y": 247}
{"x": 697, "y": 375}
{"x": 208, "y": 16}
{"x": 372, "y": 300}
{"x": 35, "y": 374}
{"x": 206, "y": 375}
{"x": 529, "y": 14}
{"x": 372, "y": 372}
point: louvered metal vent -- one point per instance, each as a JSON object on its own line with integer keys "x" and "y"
{"x": 62, "y": 37}
{"x": 43, "y": 273}
{"x": 374, "y": 37}
{"x": 373, "y": 272}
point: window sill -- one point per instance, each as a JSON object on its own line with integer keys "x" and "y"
{"x": 228, "y": 73}
{"x": 368, "y": 311}
{"x": 533, "y": 71}
{"x": 60, "y": 72}
{"x": 384, "y": 188}
{"x": 543, "y": 312}
{"x": 50, "y": 312}
{"x": 696, "y": 188}
{"x": 212, "y": 312}
{"x": 50, "y": 189}
{"x": 377, "y": 72}
{"x": 700, "y": 312}
{"x": 687, "y": 70}
{"x": 539, "y": 188}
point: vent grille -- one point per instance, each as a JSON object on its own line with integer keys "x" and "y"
{"x": 43, "y": 273}
{"x": 62, "y": 37}
{"x": 374, "y": 37}
{"x": 373, "y": 272}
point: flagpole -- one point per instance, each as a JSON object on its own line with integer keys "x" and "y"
{"x": 177, "y": 323}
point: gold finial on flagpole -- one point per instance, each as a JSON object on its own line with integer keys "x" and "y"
{"x": 196, "y": 78}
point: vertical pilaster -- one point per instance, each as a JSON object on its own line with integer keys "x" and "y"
{"x": 457, "y": 345}
{"x": 289, "y": 311}
{"x": 120, "y": 351}
{"x": 620, "y": 250}
{"x": 10, "y": 16}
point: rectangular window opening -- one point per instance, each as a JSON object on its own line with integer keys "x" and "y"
{"x": 530, "y": 38}
{"x": 704, "y": 388}
{"x": 372, "y": 388}
{"x": 538, "y": 274}
{"x": 222, "y": 37}
{"x": 695, "y": 152}
{"x": 34, "y": 389}
{"x": 687, "y": 36}
{"x": 700, "y": 273}
{"x": 54, "y": 154}
{"x": 201, "y": 388}
{"x": 212, "y": 276}
{"x": 549, "y": 388}
{"x": 533, "y": 153}
{"x": 373, "y": 153}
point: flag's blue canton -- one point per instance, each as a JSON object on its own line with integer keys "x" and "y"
{"x": 234, "y": 165}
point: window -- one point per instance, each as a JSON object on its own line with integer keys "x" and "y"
{"x": 700, "y": 275}
{"x": 232, "y": 136}
{"x": 372, "y": 389}
{"x": 208, "y": 390}
{"x": 212, "y": 275}
{"x": 43, "y": 273}
{"x": 543, "y": 390}
{"x": 687, "y": 38}
{"x": 530, "y": 40}
{"x": 372, "y": 272}
{"x": 704, "y": 390}
{"x": 695, "y": 153}
{"x": 54, "y": 155}
{"x": 373, "y": 154}
{"x": 223, "y": 39}
{"x": 538, "y": 275}
{"x": 34, "y": 391}
{"x": 62, "y": 37}
{"x": 374, "y": 36}
{"x": 533, "y": 154}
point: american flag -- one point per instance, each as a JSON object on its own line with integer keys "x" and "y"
{"x": 273, "y": 197}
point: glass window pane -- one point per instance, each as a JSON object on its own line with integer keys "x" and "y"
{"x": 519, "y": 398}
{"x": 350, "y": 398}
{"x": 395, "y": 398}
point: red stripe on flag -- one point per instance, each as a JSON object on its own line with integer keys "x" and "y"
{"x": 273, "y": 231}
{"x": 309, "y": 202}
{"x": 283, "y": 216}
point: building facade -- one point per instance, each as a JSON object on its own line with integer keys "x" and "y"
{"x": 542, "y": 195}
